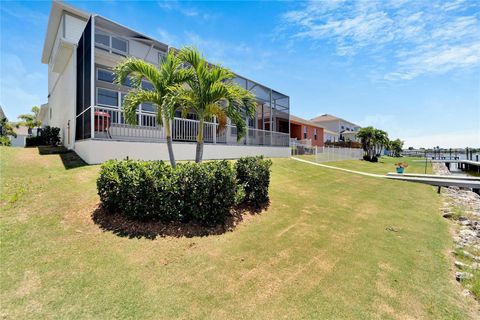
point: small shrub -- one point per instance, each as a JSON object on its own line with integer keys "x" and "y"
{"x": 50, "y": 136}
{"x": 253, "y": 174}
{"x": 33, "y": 141}
{"x": 4, "y": 141}
{"x": 374, "y": 159}
{"x": 154, "y": 190}
{"x": 367, "y": 158}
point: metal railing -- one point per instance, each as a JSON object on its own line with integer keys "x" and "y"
{"x": 109, "y": 123}
{"x": 296, "y": 142}
{"x": 324, "y": 154}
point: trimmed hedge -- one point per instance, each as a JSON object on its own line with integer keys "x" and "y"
{"x": 204, "y": 192}
{"x": 153, "y": 189}
{"x": 253, "y": 174}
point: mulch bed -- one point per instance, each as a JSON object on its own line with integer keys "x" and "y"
{"x": 126, "y": 227}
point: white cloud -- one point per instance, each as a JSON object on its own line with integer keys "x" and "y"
{"x": 420, "y": 37}
{"x": 188, "y": 11}
{"x": 167, "y": 37}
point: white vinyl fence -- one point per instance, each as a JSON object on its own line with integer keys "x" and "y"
{"x": 324, "y": 154}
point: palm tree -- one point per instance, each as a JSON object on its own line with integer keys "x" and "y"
{"x": 210, "y": 92}
{"x": 367, "y": 138}
{"x": 380, "y": 141}
{"x": 30, "y": 120}
{"x": 166, "y": 80}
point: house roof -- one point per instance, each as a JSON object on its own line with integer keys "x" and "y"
{"x": 2, "y": 114}
{"x": 21, "y": 130}
{"x": 329, "y": 117}
{"x": 54, "y": 20}
{"x": 304, "y": 121}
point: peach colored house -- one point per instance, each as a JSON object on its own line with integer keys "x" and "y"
{"x": 306, "y": 132}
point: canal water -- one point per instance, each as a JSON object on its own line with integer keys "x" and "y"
{"x": 456, "y": 171}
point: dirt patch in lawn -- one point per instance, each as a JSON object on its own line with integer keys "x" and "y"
{"x": 126, "y": 227}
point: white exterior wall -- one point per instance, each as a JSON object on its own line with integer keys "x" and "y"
{"x": 19, "y": 141}
{"x": 73, "y": 28}
{"x": 98, "y": 151}
{"x": 331, "y": 125}
{"x": 62, "y": 103}
{"x": 62, "y": 87}
{"x": 143, "y": 51}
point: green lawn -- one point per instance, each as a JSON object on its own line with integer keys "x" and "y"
{"x": 383, "y": 166}
{"x": 331, "y": 245}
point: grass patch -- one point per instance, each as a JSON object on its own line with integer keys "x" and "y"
{"x": 383, "y": 166}
{"x": 331, "y": 245}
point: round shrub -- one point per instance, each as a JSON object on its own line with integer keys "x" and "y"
{"x": 154, "y": 190}
{"x": 253, "y": 174}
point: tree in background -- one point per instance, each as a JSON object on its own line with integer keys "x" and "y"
{"x": 367, "y": 136}
{"x": 396, "y": 147}
{"x": 380, "y": 141}
{"x": 373, "y": 142}
{"x": 30, "y": 120}
{"x": 211, "y": 92}
{"x": 167, "y": 79}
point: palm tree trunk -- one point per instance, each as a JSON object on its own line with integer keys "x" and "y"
{"x": 169, "y": 143}
{"x": 199, "y": 151}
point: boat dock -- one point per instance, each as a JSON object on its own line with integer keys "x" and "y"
{"x": 439, "y": 180}
{"x": 468, "y": 165}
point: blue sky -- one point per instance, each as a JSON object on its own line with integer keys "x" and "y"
{"x": 411, "y": 68}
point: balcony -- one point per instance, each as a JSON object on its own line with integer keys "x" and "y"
{"x": 109, "y": 124}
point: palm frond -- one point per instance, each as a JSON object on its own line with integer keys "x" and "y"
{"x": 136, "y": 97}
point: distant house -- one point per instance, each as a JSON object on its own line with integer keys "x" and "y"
{"x": 330, "y": 136}
{"x": 305, "y": 132}
{"x": 346, "y": 130}
{"x": 21, "y": 139}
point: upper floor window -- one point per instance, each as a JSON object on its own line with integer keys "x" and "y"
{"x": 315, "y": 133}
{"x": 110, "y": 43}
{"x": 105, "y": 75}
{"x": 107, "y": 97}
{"x": 161, "y": 57}
{"x": 108, "y": 76}
{"x": 147, "y": 85}
{"x": 343, "y": 127}
{"x": 304, "y": 132}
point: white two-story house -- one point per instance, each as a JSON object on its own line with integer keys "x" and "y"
{"x": 339, "y": 129}
{"x": 81, "y": 49}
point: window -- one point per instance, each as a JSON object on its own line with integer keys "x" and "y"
{"x": 107, "y": 97}
{"x": 108, "y": 76}
{"x": 343, "y": 127}
{"x": 105, "y": 75}
{"x": 119, "y": 44}
{"x": 304, "y": 132}
{"x": 147, "y": 86}
{"x": 111, "y": 43}
{"x": 161, "y": 57}
{"x": 315, "y": 133}
{"x": 102, "y": 39}
{"x": 148, "y": 107}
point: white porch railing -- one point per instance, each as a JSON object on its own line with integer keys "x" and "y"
{"x": 109, "y": 123}
{"x": 296, "y": 142}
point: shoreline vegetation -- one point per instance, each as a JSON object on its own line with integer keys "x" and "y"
{"x": 462, "y": 208}
{"x": 330, "y": 245}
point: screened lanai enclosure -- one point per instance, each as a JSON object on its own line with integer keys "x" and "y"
{"x": 99, "y": 101}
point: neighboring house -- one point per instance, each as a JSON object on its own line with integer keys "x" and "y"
{"x": 21, "y": 139}
{"x": 330, "y": 136}
{"x": 346, "y": 130}
{"x": 82, "y": 48}
{"x": 305, "y": 132}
